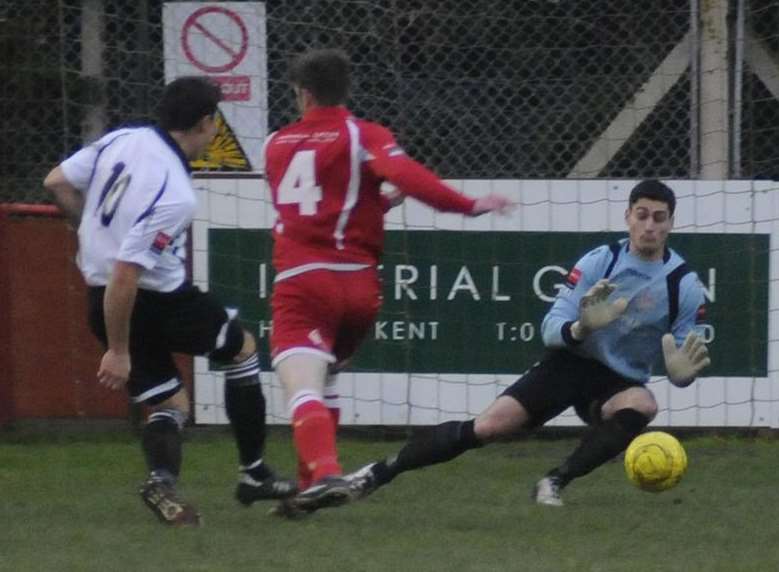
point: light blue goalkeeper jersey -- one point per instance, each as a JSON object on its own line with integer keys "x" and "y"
{"x": 663, "y": 296}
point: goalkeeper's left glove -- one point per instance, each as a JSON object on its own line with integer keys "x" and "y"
{"x": 683, "y": 364}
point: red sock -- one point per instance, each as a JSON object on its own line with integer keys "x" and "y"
{"x": 314, "y": 436}
{"x": 304, "y": 476}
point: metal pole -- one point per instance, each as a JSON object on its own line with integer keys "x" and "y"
{"x": 695, "y": 90}
{"x": 738, "y": 84}
{"x": 714, "y": 108}
{"x": 92, "y": 24}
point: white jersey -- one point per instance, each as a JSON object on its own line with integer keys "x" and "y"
{"x": 139, "y": 203}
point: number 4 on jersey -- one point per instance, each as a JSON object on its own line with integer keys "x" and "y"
{"x": 298, "y": 185}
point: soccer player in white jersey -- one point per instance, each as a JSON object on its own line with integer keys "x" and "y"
{"x": 626, "y": 308}
{"x": 131, "y": 197}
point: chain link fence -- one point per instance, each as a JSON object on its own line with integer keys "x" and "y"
{"x": 475, "y": 89}
{"x": 760, "y": 123}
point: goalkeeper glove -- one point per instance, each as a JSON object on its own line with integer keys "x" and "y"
{"x": 595, "y": 310}
{"x": 683, "y": 364}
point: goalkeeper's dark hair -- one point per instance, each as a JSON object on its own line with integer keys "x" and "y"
{"x": 186, "y": 101}
{"x": 325, "y": 73}
{"x": 654, "y": 190}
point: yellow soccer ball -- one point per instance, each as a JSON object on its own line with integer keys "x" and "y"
{"x": 655, "y": 461}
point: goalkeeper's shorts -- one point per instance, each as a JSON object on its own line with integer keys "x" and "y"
{"x": 562, "y": 380}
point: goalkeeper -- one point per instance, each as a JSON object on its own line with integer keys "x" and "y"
{"x": 624, "y": 307}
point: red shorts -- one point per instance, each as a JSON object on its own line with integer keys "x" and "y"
{"x": 324, "y": 312}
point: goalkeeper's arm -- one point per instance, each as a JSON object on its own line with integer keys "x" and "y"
{"x": 563, "y": 325}
{"x": 596, "y": 311}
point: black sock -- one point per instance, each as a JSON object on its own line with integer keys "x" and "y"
{"x": 605, "y": 441}
{"x": 245, "y": 405}
{"x": 430, "y": 446}
{"x": 161, "y": 443}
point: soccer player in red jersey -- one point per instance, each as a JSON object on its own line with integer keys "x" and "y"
{"x": 325, "y": 173}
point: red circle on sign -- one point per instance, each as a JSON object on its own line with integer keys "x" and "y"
{"x": 235, "y": 56}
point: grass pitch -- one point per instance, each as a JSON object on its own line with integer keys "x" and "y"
{"x": 68, "y": 501}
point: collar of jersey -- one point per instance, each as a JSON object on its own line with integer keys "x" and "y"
{"x": 334, "y": 112}
{"x": 666, "y": 253}
{"x": 171, "y": 142}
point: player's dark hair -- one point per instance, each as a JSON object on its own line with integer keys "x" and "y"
{"x": 323, "y": 72}
{"x": 186, "y": 101}
{"x": 654, "y": 190}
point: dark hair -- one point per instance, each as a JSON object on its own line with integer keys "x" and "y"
{"x": 654, "y": 190}
{"x": 186, "y": 101}
{"x": 323, "y": 72}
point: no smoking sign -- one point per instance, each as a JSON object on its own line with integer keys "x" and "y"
{"x": 225, "y": 42}
{"x": 214, "y": 39}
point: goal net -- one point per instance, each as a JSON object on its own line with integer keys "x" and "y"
{"x": 463, "y": 298}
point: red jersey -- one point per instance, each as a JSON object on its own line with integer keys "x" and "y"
{"x": 324, "y": 173}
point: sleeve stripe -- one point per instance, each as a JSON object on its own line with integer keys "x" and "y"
{"x": 615, "y": 249}
{"x": 99, "y": 153}
{"x": 568, "y": 338}
{"x": 353, "y": 189}
{"x": 673, "y": 281}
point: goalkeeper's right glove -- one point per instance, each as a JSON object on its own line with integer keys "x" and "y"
{"x": 595, "y": 310}
{"x": 685, "y": 363}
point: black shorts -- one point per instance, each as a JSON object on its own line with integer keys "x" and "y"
{"x": 563, "y": 380}
{"x": 186, "y": 321}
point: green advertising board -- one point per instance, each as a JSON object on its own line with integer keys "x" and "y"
{"x": 473, "y": 302}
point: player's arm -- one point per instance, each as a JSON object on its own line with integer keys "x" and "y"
{"x": 118, "y": 304}
{"x": 67, "y": 197}
{"x": 68, "y": 182}
{"x": 156, "y": 226}
{"x": 684, "y": 351}
{"x": 583, "y": 304}
{"x": 389, "y": 162}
